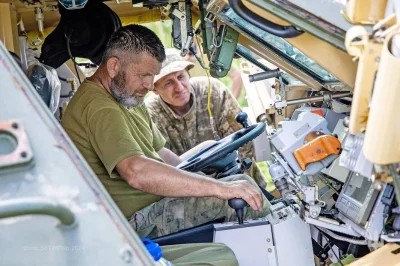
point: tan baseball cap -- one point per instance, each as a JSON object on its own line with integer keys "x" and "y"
{"x": 173, "y": 62}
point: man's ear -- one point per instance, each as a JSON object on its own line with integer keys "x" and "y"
{"x": 113, "y": 67}
{"x": 155, "y": 90}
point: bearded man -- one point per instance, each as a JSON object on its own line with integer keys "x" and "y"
{"x": 110, "y": 125}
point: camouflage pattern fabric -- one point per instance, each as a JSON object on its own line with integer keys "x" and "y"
{"x": 182, "y": 133}
{"x": 171, "y": 215}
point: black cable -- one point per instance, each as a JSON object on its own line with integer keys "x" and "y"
{"x": 286, "y": 201}
{"x": 76, "y": 70}
{"x": 385, "y": 216}
{"x": 62, "y": 79}
{"x": 72, "y": 58}
{"x": 278, "y": 30}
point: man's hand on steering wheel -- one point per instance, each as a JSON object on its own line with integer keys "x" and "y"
{"x": 244, "y": 190}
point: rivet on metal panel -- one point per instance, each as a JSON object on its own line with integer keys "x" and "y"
{"x": 268, "y": 240}
{"x": 126, "y": 255}
{"x": 270, "y": 250}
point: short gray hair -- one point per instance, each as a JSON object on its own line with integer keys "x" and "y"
{"x": 134, "y": 39}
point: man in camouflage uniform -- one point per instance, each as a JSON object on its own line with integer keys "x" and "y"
{"x": 178, "y": 107}
{"x": 111, "y": 127}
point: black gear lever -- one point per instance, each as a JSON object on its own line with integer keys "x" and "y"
{"x": 238, "y": 205}
{"x": 241, "y": 118}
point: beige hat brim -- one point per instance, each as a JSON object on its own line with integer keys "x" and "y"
{"x": 173, "y": 67}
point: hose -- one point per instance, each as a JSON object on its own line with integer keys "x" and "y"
{"x": 342, "y": 238}
{"x": 262, "y": 23}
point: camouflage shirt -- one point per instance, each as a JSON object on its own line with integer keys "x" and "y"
{"x": 185, "y": 132}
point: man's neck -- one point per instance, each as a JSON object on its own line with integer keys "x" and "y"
{"x": 101, "y": 78}
{"x": 181, "y": 110}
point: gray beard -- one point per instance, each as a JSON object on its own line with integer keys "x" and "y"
{"x": 126, "y": 100}
{"x": 122, "y": 97}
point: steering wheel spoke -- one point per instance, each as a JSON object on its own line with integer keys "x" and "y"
{"x": 221, "y": 149}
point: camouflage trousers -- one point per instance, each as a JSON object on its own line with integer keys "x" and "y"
{"x": 171, "y": 215}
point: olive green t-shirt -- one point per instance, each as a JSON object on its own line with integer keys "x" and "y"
{"x": 106, "y": 133}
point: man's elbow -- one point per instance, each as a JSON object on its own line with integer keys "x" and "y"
{"x": 131, "y": 172}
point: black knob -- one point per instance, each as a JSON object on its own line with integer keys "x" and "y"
{"x": 238, "y": 205}
{"x": 241, "y": 118}
{"x": 246, "y": 164}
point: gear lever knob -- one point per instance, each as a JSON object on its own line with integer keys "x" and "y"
{"x": 238, "y": 205}
{"x": 241, "y": 118}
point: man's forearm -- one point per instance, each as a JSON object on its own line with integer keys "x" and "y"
{"x": 158, "y": 178}
{"x": 169, "y": 157}
{"x": 154, "y": 177}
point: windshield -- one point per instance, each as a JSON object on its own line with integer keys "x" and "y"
{"x": 255, "y": 59}
{"x": 280, "y": 46}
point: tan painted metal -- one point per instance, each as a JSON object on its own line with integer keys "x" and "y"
{"x": 336, "y": 61}
{"x": 8, "y": 27}
{"x": 382, "y": 137}
{"x": 368, "y": 51}
{"x": 70, "y": 65}
{"x": 385, "y": 255}
{"x": 257, "y": 93}
{"x": 365, "y": 11}
{"x": 125, "y": 11}
{"x": 294, "y": 92}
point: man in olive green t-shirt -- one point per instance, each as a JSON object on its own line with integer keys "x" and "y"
{"x": 107, "y": 121}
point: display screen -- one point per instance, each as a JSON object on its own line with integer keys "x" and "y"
{"x": 357, "y": 187}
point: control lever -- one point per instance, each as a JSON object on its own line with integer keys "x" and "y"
{"x": 238, "y": 205}
{"x": 241, "y": 118}
{"x": 265, "y": 75}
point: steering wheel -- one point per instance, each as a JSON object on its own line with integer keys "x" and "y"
{"x": 221, "y": 148}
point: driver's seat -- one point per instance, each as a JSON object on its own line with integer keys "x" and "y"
{"x": 200, "y": 234}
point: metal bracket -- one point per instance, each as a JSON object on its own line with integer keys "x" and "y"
{"x": 179, "y": 14}
{"x": 14, "y": 145}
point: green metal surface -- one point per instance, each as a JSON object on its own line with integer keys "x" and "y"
{"x": 58, "y": 174}
{"x": 225, "y": 46}
{"x": 206, "y": 29}
{"x": 32, "y": 206}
